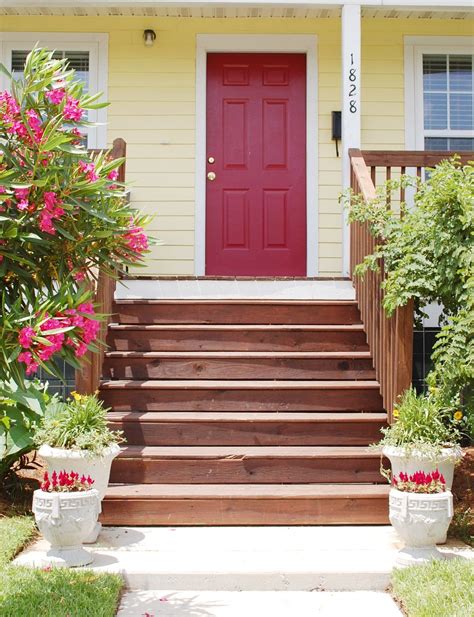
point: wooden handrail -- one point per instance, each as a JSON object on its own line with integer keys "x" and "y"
{"x": 390, "y": 339}
{"x": 88, "y": 378}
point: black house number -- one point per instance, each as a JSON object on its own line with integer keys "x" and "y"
{"x": 352, "y": 87}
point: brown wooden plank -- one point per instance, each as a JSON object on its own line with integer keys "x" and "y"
{"x": 273, "y": 399}
{"x": 251, "y": 506}
{"x": 207, "y": 338}
{"x": 236, "y": 312}
{"x": 200, "y": 428}
{"x": 258, "y": 470}
{"x": 225, "y": 366}
{"x": 414, "y": 158}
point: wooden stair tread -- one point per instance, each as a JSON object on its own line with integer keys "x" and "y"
{"x": 237, "y": 452}
{"x": 230, "y": 355}
{"x": 242, "y": 491}
{"x": 197, "y": 384}
{"x": 240, "y": 327}
{"x": 232, "y": 416}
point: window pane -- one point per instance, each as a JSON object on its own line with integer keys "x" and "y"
{"x": 460, "y": 73}
{"x": 436, "y": 143}
{"x": 461, "y": 143}
{"x": 78, "y": 60}
{"x": 456, "y": 144}
{"x": 435, "y": 73}
{"x": 435, "y": 110}
{"x": 460, "y": 111}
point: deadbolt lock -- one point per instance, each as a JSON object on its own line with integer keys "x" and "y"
{"x": 211, "y": 160}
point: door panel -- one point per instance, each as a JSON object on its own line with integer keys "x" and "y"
{"x": 256, "y": 133}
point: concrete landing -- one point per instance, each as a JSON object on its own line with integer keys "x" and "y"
{"x": 247, "y": 558}
{"x": 257, "y": 604}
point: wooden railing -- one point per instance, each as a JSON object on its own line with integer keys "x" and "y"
{"x": 88, "y": 379}
{"x": 390, "y": 339}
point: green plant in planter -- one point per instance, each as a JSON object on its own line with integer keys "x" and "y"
{"x": 428, "y": 256}
{"x": 421, "y": 425}
{"x": 78, "y": 424}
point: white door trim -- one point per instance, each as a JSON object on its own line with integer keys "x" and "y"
{"x": 277, "y": 43}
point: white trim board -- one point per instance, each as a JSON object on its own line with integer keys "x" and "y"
{"x": 415, "y": 47}
{"x": 265, "y": 43}
{"x": 97, "y": 46}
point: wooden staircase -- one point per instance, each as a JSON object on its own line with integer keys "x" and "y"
{"x": 250, "y": 412}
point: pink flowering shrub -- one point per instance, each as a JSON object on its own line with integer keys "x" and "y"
{"x": 420, "y": 482}
{"x": 64, "y": 217}
{"x": 64, "y": 482}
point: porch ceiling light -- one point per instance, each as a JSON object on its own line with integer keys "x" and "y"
{"x": 149, "y": 37}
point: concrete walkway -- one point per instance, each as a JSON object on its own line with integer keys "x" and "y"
{"x": 234, "y": 559}
{"x": 258, "y": 604}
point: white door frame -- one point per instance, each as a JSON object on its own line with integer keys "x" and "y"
{"x": 264, "y": 43}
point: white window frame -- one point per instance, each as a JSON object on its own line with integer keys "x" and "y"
{"x": 266, "y": 43}
{"x": 97, "y": 46}
{"x": 415, "y": 48}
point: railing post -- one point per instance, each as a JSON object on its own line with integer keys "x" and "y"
{"x": 88, "y": 377}
{"x": 403, "y": 352}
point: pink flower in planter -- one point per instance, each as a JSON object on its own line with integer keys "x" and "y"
{"x": 112, "y": 175}
{"x": 72, "y": 111}
{"x": 55, "y": 96}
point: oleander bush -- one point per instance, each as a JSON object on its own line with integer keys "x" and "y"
{"x": 63, "y": 217}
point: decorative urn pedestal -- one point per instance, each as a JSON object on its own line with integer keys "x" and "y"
{"x": 66, "y": 520}
{"x": 422, "y": 521}
{"x": 83, "y": 462}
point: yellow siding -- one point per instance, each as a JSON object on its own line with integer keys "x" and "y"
{"x": 152, "y": 91}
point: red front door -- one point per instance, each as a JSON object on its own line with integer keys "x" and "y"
{"x": 256, "y": 149}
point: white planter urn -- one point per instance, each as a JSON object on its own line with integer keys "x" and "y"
{"x": 66, "y": 520}
{"x": 413, "y": 461}
{"x": 83, "y": 463}
{"x": 422, "y": 521}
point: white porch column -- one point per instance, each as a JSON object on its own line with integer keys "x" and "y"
{"x": 351, "y": 104}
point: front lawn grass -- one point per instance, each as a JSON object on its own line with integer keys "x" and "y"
{"x": 15, "y": 533}
{"x": 437, "y": 589}
{"x": 59, "y": 592}
{"x": 28, "y": 592}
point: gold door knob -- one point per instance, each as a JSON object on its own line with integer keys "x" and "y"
{"x": 211, "y": 176}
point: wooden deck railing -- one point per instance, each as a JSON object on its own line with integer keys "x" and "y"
{"x": 390, "y": 339}
{"x": 88, "y": 379}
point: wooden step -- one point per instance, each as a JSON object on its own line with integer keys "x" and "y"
{"x": 123, "y": 337}
{"x": 245, "y": 464}
{"x": 238, "y": 365}
{"x": 251, "y": 429}
{"x": 248, "y": 311}
{"x": 189, "y": 395}
{"x": 245, "y": 504}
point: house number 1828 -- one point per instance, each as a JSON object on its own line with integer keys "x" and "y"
{"x": 352, "y": 87}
